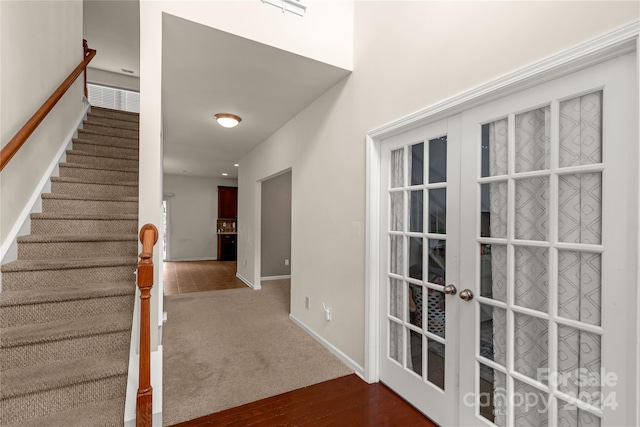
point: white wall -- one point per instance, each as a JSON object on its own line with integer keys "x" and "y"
{"x": 407, "y": 56}
{"x": 193, "y": 214}
{"x": 41, "y": 44}
{"x": 276, "y": 226}
{"x": 107, "y": 78}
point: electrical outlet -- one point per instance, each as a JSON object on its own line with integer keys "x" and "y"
{"x": 286, "y": 262}
{"x": 327, "y": 312}
{"x": 307, "y": 303}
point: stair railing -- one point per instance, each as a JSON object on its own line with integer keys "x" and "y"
{"x": 144, "y": 398}
{"x": 25, "y": 132}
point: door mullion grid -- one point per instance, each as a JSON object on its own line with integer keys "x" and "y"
{"x": 511, "y": 211}
{"x": 554, "y": 206}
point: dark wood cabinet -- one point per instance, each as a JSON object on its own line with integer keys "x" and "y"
{"x": 227, "y": 247}
{"x": 227, "y": 202}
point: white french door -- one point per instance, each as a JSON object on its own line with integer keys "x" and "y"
{"x": 507, "y": 257}
{"x": 420, "y": 196}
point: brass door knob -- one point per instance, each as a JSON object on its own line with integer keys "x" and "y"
{"x": 450, "y": 290}
{"x": 466, "y": 295}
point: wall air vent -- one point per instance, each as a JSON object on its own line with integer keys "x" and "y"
{"x": 124, "y": 70}
{"x": 293, "y": 6}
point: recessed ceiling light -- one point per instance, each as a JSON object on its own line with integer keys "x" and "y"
{"x": 227, "y": 120}
{"x": 236, "y": 164}
{"x": 225, "y": 174}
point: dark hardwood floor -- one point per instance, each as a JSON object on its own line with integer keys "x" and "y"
{"x": 198, "y": 276}
{"x": 342, "y": 402}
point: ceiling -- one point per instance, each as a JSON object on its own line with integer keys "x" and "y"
{"x": 207, "y": 71}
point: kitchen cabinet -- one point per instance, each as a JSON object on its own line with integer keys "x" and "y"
{"x": 227, "y": 202}
{"x": 227, "y": 247}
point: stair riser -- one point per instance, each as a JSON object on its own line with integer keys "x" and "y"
{"x": 107, "y": 139}
{"x": 58, "y": 351}
{"x": 61, "y": 250}
{"x": 23, "y": 280}
{"x": 97, "y": 174}
{"x": 106, "y": 150}
{"x": 86, "y": 189}
{"x": 34, "y": 405}
{"x": 110, "y": 121}
{"x": 89, "y": 206}
{"x": 106, "y": 130}
{"x": 82, "y": 226}
{"x": 40, "y": 313}
{"x": 102, "y": 162}
{"x": 115, "y": 114}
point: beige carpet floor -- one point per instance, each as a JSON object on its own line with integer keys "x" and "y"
{"x": 229, "y": 347}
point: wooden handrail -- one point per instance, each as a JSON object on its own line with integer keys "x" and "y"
{"x": 25, "y": 132}
{"x": 144, "y": 399}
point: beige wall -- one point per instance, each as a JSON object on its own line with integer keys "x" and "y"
{"x": 276, "y": 226}
{"x": 193, "y": 214}
{"x": 107, "y": 78}
{"x": 36, "y": 36}
{"x": 407, "y": 56}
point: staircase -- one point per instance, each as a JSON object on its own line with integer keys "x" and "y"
{"x": 66, "y": 305}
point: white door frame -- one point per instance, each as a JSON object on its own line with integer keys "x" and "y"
{"x": 619, "y": 41}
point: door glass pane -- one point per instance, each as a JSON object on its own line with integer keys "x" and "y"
{"x": 437, "y": 261}
{"x": 396, "y": 298}
{"x": 415, "y": 258}
{"x": 416, "y": 215}
{"x": 531, "y": 277}
{"x": 416, "y": 307}
{"x": 495, "y": 138}
{"x": 579, "y": 362}
{"x": 493, "y": 209}
{"x": 396, "y": 341}
{"x": 532, "y": 208}
{"x": 493, "y": 272}
{"x": 438, "y": 211}
{"x": 397, "y": 168}
{"x": 532, "y": 140}
{"x": 581, "y": 130}
{"x": 570, "y": 416}
{"x": 530, "y": 405}
{"x": 397, "y": 211}
{"x": 436, "y": 312}
{"x": 493, "y": 333}
{"x": 579, "y": 286}
{"x": 396, "y": 250}
{"x": 531, "y": 345}
{"x": 435, "y": 363}
{"x": 416, "y": 164}
{"x": 580, "y": 215}
{"x": 414, "y": 358}
{"x": 492, "y": 399}
{"x": 438, "y": 160}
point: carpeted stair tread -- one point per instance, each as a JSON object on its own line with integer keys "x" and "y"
{"x": 66, "y": 264}
{"x": 85, "y": 133}
{"x": 63, "y": 329}
{"x": 96, "y": 198}
{"x": 22, "y": 381}
{"x": 86, "y": 181}
{"x": 88, "y": 154}
{"x": 105, "y": 413}
{"x": 106, "y": 112}
{"x": 71, "y": 293}
{"x": 104, "y": 217}
{"x": 106, "y": 129}
{"x": 113, "y": 121}
{"x": 64, "y": 238}
{"x": 96, "y": 167}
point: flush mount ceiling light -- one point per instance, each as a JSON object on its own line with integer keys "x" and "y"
{"x": 227, "y": 120}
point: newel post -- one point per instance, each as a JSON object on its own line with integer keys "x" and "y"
{"x": 85, "y": 46}
{"x": 144, "y": 409}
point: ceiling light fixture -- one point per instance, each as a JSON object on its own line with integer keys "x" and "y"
{"x": 228, "y": 120}
{"x": 236, "y": 164}
{"x": 225, "y": 174}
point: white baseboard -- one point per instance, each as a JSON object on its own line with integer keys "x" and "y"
{"x": 359, "y": 370}
{"x": 22, "y": 226}
{"x": 191, "y": 259}
{"x": 248, "y": 283}
{"x": 266, "y": 278}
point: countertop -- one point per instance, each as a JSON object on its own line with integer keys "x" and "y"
{"x": 227, "y": 232}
